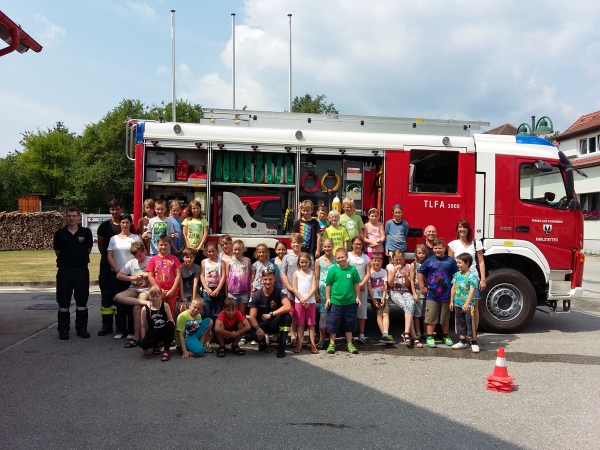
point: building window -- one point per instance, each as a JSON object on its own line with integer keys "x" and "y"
{"x": 588, "y": 145}
{"x": 590, "y": 205}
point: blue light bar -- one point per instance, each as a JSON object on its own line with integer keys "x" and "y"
{"x": 533, "y": 140}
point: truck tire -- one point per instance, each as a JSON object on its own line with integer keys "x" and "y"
{"x": 508, "y": 302}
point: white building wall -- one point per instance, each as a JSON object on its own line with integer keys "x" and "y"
{"x": 591, "y": 228}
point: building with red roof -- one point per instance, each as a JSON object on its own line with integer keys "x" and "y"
{"x": 581, "y": 143}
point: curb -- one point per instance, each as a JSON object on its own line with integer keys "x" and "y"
{"x": 37, "y": 283}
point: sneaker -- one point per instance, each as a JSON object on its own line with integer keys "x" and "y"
{"x": 331, "y": 348}
{"x": 388, "y": 339}
{"x": 321, "y": 345}
{"x": 119, "y": 336}
{"x": 360, "y": 340}
{"x": 253, "y": 342}
{"x": 431, "y": 342}
{"x": 242, "y": 341}
{"x": 267, "y": 339}
{"x": 448, "y": 340}
{"x": 352, "y": 349}
{"x": 460, "y": 346}
{"x": 475, "y": 348}
{"x": 130, "y": 336}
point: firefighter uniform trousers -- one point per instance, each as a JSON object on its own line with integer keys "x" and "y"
{"x": 107, "y": 305}
{"x": 278, "y": 324}
{"x": 72, "y": 281}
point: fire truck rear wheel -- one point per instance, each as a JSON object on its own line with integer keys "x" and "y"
{"x": 508, "y": 302}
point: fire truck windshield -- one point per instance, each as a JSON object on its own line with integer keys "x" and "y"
{"x": 544, "y": 188}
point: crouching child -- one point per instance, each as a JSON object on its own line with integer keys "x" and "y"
{"x": 230, "y": 327}
{"x": 193, "y": 331}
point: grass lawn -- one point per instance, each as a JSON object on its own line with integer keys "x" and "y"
{"x": 36, "y": 265}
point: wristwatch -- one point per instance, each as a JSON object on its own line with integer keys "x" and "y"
{"x": 271, "y": 313}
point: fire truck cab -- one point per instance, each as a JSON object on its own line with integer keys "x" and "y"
{"x": 250, "y": 169}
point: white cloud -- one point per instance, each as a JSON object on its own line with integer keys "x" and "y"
{"x": 52, "y": 33}
{"x": 142, "y": 9}
{"x": 444, "y": 59}
{"x": 26, "y": 115}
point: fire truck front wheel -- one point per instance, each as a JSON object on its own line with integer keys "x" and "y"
{"x": 508, "y": 302}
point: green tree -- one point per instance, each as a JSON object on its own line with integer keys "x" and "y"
{"x": 47, "y": 159}
{"x": 185, "y": 111}
{"x": 307, "y": 104}
{"x": 13, "y": 182}
{"x": 101, "y": 170}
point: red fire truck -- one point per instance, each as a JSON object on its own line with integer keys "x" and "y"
{"x": 250, "y": 169}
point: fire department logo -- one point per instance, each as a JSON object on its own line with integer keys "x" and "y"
{"x": 547, "y": 229}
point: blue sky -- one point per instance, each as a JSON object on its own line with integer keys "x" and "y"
{"x": 486, "y": 60}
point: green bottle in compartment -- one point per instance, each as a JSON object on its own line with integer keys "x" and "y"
{"x": 218, "y": 167}
{"x": 226, "y": 167}
{"x": 259, "y": 167}
{"x": 278, "y": 177}
{"x": 240, "y": 167}
{"x": 232, "y": 176}
{"x": 289, "y": 170}
{"x": 248, "y": 168}
{"x": 269, "y": 169}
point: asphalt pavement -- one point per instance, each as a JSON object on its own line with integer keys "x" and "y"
{"x": 95, "y": 394}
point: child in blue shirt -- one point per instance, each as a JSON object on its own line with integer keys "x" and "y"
{"x": 435, "y": 281}
{"x": 462, "y": 299}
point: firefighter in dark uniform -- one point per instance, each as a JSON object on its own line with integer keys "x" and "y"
{"x": 72, "y": 245}
{"x": 106, "y": 230}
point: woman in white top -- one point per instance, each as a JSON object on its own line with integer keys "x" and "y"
{"x": 118, "y": 255}
{"x": 466, "y": 244}
{"x": 305, "y": 284}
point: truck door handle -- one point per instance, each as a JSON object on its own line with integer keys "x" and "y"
{"x": 522, "y": 229}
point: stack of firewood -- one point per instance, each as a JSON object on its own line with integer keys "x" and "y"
{"x": 29, "y": 231}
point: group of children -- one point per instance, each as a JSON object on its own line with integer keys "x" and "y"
{"x": 186, "y": 291}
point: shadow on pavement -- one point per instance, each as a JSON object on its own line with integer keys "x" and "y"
{"x": 95, "y": 394}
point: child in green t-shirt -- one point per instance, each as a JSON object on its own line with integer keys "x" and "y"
{"x": 192, "y": 330}
{"x": 343, "y": 299}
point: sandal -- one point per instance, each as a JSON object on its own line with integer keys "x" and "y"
{"x": 417, "y": 343}
{"x": 321, "y": 345}
{"x": 298, "y": 348}
{"x": 313, "y": 349}
{"x": 237, "y": 350}
{"x": 407, "y": 340}
{"x": 166, "y": 355}
{"x": 156, "y": 351}
{"x": 221, "y": 351}
{"x": 293, "y": 343}
{"x": 132, "y": 343}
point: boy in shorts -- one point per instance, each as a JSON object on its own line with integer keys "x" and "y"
{"x": 230, "y": 327}
{"x": 343, "y": 299}
{"x": 435, "y": 282}
{"x": 378, "y": 291}
{"x": 462, "y": 299}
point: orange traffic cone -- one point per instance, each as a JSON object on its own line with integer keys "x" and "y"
{"x": 499, "y": 380}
